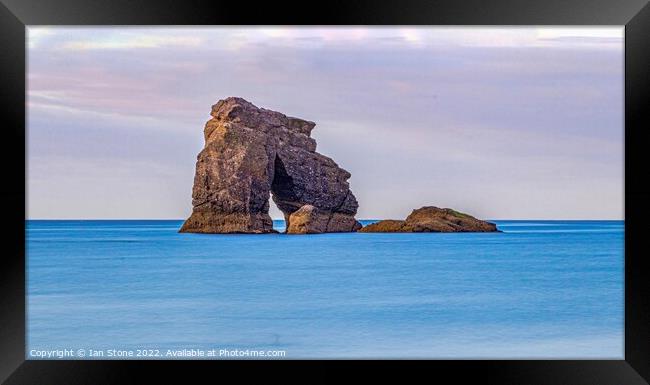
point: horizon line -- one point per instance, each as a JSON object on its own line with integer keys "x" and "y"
{"x": 282, "y": 219}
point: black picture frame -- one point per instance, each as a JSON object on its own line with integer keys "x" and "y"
{"x": 15, "y": 15}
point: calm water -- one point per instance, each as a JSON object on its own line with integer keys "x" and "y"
{"x": 540, "y": 289}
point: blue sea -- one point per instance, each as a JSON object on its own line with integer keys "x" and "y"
{"x": 538, "y": 289}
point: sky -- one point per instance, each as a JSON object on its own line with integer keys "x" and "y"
{"x": 501, "y": 123}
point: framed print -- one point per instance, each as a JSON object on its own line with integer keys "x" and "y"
{"x": 456, "y": 188}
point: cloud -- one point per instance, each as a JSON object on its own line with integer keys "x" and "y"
{"x": 236, "y": 38}
{"x": 35, "y": 35}
{"x": 554, "y": 32}
{"x": 133, "y": 42}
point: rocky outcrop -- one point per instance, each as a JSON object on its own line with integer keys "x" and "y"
{"x": 252, "y": 153}
{"x": 310, "y": 220}
{"x": 432, "y": 219}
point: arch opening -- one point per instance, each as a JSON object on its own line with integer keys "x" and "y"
{"x": 283, "y": 192}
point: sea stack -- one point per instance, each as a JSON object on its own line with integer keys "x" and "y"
{"x": 251, "y": 153}
{"x": 430, "y": 219}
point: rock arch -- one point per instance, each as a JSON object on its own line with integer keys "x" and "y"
{"x": 251, "y": 154}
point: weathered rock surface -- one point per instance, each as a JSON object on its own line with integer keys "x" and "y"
{"x": 251, "y": 153}
{"x": 432, "y": 219}
{"x": 310, "y": 220}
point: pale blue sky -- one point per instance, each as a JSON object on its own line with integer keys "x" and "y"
{"x": 519, "y": 123}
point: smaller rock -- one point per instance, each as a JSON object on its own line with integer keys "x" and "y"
{"x": 310, "y": 220}
{"x": 430, "y": 219}
{"x": 307, "y": 220}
